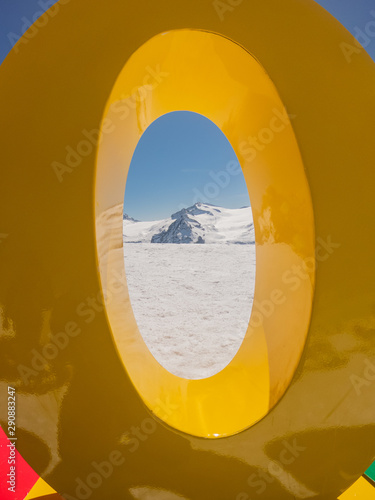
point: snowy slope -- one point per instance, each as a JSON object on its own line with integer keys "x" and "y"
{"x": 126, "y": 217}
{"x": 200, "y": 223}
{"x": 192, "y": 303}
{"x": 142, "y": 232}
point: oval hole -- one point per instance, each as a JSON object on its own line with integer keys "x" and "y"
{"x": 189, "y": 245}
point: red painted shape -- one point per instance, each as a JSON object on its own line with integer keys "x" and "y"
{"x": 25, "y": 476}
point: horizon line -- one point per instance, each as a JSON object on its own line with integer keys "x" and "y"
{"x": 182, "y": 208}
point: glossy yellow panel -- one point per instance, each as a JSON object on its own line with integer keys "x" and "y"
{"x": 361, "y": 490}
{"x": 79, "y": 406}
{"x": 40, "y": 489}
{"x": 211, "y": 75}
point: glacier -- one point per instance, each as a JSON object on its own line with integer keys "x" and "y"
{"x": 200, "y": 223}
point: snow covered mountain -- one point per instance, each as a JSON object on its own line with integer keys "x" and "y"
{"x": 200, "y": 223}
{"x": 126, "y": 217}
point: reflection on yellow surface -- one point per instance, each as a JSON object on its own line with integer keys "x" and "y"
{"x": 209, "y": 74}
{"x": 53, "y": 91}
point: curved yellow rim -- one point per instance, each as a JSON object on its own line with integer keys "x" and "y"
{"x": 49, "y": 279}
{"x": 209, "y": 74}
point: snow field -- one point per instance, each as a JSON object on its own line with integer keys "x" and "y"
{"x": 192, "y": 303}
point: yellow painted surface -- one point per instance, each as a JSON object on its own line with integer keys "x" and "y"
{"x": 361, "y": 490}
{"x": 54, "y": 89}
{"x": 41, "y": 488}
{"x": 209, "y": 74}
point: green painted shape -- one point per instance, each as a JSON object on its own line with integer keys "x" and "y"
{"x": 371, "y": 472}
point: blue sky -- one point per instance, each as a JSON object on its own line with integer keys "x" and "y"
{"x": 350, "y": 13}
{"x": 182, "y": 158}
{"x": 181, "y": 153}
